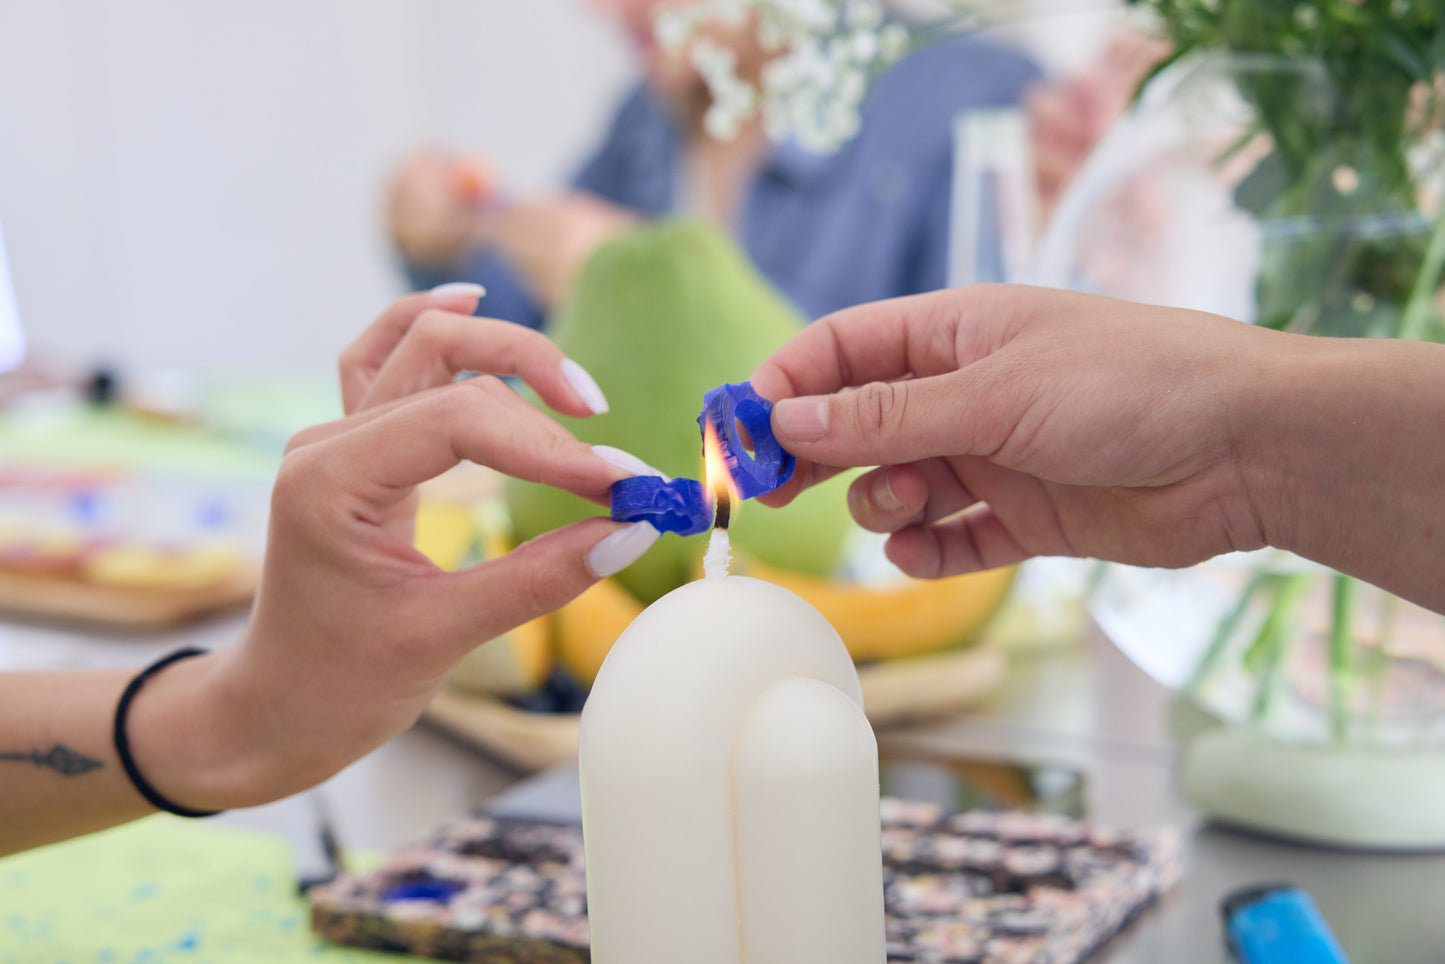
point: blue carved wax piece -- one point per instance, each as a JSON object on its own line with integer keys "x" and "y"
{"x": 677, "y": 506}
{"x": 768, "y": 466}
{"x": 426, "y": 888}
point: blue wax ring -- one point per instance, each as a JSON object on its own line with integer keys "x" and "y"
{"x": 677, "y": 506}
{"x": 768, "y": 466}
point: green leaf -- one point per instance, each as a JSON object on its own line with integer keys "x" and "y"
{"x": 1411, "y": 61}
{"x": 1180, "y": 51}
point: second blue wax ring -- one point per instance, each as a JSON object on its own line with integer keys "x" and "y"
{"x": 767, "y": 467}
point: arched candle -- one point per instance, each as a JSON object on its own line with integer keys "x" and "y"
{"x": 730, "y": 785}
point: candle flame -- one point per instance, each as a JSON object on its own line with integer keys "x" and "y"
{"x": 720, "y": 486}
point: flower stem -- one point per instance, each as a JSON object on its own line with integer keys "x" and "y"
{"x": 1377, "y": 661}
{"x": 1226, "y": 629}
{"x": 1266, "y": 654}
{"x": 1415, "y": 319}
{"x": 1342, "y": 677}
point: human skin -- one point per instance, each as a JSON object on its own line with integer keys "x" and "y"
{"x": 1006, "y": 422}
{"x": 547, "y": 238}
{"x": 352, "y": 630}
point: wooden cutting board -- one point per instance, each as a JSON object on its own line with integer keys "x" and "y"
{"x": 109, "y": 607}
{"x": 894, "y": 692}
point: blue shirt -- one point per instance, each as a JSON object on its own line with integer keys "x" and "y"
{"x": 829, "y": 231}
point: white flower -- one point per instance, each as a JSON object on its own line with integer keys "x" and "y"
{"x": 813, "y": 89}
{"x": 863, "y": 15}
{"x": 893, "y": 41}
{"x": 865, "y": 46}
{"x": 673, "y": 26}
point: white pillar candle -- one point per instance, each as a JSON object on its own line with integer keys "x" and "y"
{"x": 730, "y": 786}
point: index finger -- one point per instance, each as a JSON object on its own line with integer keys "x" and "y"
{"x": 916, "y": 336}
{"x": 439, "y": 345}
{"x": 364, "y": 357}
{"x": 888, "y": 341}
{"x": 384, "y": 457}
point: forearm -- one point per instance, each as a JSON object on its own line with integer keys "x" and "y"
{"x": 1348, "y": 459}
{"x": 57, "y": 763}
{"x": 60, "y": 769}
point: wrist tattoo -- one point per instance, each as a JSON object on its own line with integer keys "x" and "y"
{"x": 60, "y": 758}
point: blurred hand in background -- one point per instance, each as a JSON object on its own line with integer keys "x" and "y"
{"x": 445, "y": 207}
{"x": 436, "y": 204}
{"x": 1069, "y": 118}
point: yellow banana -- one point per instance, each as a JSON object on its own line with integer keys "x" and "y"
{"x": 589, "y": 625}
{"x": 902, "y": 619}
{"x": 515, "y": 663}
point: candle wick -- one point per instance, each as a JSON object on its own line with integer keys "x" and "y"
{"x": 724, "y": 512}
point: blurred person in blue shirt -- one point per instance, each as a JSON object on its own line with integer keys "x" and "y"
{"x": 866, "y": 223}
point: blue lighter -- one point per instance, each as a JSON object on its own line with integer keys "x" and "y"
{"x": 1278, "y": 924}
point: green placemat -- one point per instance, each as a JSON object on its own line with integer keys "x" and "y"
{"x": 86, "y": 439}
{"x": 240, "y": 427}
{"x": 160, "y": 891}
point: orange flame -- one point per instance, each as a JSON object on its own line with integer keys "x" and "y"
{"x": 720, "y": 485}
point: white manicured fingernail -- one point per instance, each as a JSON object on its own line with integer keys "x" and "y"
{"x": 585, "y": 386}
{"x": 621, "y": 549}
{"x": 625, "y": 461}
{"x": 458, "y": 289}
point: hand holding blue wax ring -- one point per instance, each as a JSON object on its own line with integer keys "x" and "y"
{"x": 767, "y": 466}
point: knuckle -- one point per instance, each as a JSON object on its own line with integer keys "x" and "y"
{"x": 471, "y": 398}
{"x": 302, "y": 472}
{"x": 432, "y": 329}
{"x": 525, "y": 343}
{"x": 540, "y": 593}
{"x": 480, "y": 391}
{"x": 542, "y": 590}
{"x": 307, "y": 436}
{"x": 348, "y": 358}
{"x": 880, "y": 410}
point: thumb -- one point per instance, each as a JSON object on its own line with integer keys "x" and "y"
{"x": 535, "y": 578}
{"x": 882, "y": 423}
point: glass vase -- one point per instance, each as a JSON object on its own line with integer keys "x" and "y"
{"x": 1303, "y": 692}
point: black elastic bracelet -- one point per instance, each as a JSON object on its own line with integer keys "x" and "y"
{"x": 122, "y": 742}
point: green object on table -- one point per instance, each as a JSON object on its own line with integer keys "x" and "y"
{"x": 237, "y": 432}
{"x": 660, "y": 316}
{"x": 160, "y": 891}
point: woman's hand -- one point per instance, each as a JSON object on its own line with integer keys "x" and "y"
{"x": 1010, "y": 422}
{"x": 423, "y": 340}
{"x": 353, "y": 630}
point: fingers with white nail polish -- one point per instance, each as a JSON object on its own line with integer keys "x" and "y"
{"x": 585, "y": 386}
{"x": 625, "y": 461}
{"x": 621, "y": 549}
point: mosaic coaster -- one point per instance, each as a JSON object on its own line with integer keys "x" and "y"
{"x": 966, "y": 888}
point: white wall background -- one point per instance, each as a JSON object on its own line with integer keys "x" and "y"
{"x": 199, "y": 182}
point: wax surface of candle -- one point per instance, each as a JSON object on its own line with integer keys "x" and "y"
{"x": 730, "y": 787}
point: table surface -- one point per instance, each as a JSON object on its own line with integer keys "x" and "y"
{"x": 1084, "y": 706}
